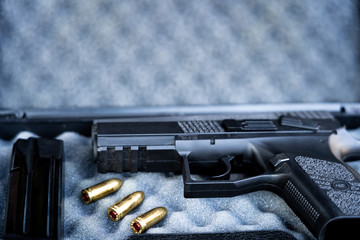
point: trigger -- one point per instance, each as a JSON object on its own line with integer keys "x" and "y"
{"x": 226, "y": 175}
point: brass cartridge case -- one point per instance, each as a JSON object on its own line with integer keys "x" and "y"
{"x": 125, "y": 205}
{"x": 98, "y": 191}
{"x": 148, "y": 219}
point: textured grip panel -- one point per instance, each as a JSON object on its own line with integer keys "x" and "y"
{"x": 336, "y": 181}
{"x": 300, "y": 201}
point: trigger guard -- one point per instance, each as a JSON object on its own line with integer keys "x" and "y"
{"x": 226, "y": 175}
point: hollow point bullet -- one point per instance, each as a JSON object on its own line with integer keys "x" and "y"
{"x": 148, "y": 219}
{"x": 98, "y": 191}
{"x": 125, "y": 205}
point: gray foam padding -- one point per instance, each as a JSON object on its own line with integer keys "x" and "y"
{"x": 257, "y": 211}
{"x": 125, "y": 53}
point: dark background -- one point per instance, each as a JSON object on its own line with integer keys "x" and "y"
{"x": 57, "y": 54}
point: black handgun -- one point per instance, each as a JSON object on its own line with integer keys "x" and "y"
{"x": 298, "y": 155}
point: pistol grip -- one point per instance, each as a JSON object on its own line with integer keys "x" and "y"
{"x": 325, "y": 194}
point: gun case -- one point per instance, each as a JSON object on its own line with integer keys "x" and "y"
{"x": 258, "y": 215}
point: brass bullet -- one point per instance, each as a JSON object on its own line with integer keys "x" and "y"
{"x": 148, "y": 219}
{"x": 98, "y": 191}
{"x": 125, "y": 205}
